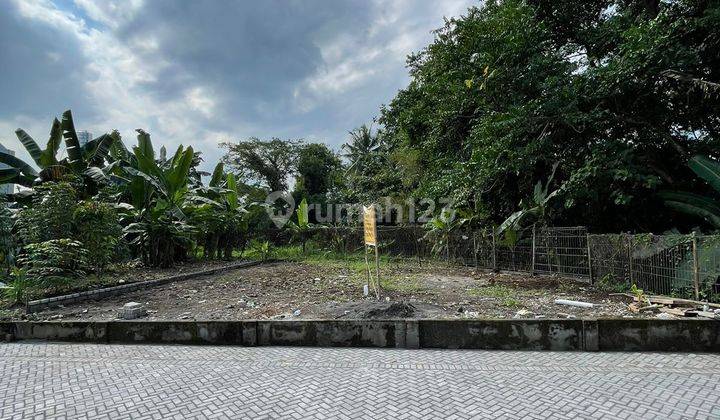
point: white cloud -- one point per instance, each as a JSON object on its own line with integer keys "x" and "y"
{"x": 359, "y": 70}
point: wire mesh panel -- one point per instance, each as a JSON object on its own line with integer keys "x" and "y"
{"x": 514, "y": 251}
{"x": 462, "y": 248}
{"x": 662, "y": 263}
{"x": 609, "y": 256}
{"x": 562, "y": 251}
{"x": 708, "y": 265}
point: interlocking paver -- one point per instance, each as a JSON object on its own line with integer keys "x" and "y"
{"x": 125, "y": 381}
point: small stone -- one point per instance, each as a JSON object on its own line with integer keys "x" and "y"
{"x": 387, "y": 298}
{"x": 185, "y": 317}
{"x": 296, "y": 312}
{"x": 522, "y": 312}
{"x": 539, "y": 316}
{"x": 85, "y": 311}
{"x": 317, "y": 278}
{"x": 663, "y": 315}
{"x": 121, "y": 281}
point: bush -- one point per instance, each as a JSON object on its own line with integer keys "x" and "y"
{"x": 50, "y": 216}
{"x": 18, "y": 287}
{"x": 54, "y": 262}
{"x": 98, "y": 229}
{"x": 7, "y": 244}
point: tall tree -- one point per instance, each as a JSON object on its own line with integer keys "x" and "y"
{"x": 317, "y": 168}
{"x": 270, "y": 162}
{"x": 610, "y": 90}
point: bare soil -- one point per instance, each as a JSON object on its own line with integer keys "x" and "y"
{"x": 292, "y": 290}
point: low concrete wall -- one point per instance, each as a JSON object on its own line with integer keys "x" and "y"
{"x": 503, "y": 334}
{"x": 38, "y": 305}
{"x": 546, "y": 334}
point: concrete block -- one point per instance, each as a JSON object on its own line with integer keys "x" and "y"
{"x": 323, "y": 333}
{"x": 249, "y": 333}
{"x": 62, "y": 331}
{"x": 590, "y": 335}
{"x": 490, "y": 334}
{"x": 412, "y": 334}
{"x": 132, "y": 310}
{"x": 659, "y": 335}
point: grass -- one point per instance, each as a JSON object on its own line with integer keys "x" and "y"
{"x": 353, "y": 264}
{"x": 506, "y": 295}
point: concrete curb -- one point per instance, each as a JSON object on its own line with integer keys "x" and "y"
{"x": 37, "y": 305}
{"x": 490, "y": 334}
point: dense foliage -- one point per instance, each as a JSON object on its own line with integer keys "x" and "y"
{"x": 619, "y": 94}
{"x": 105, "y": 204}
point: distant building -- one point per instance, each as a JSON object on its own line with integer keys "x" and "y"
{"x": 6, "y": 188}
{"x": 84, "y": 137}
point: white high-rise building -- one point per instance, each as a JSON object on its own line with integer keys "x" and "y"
{"x": 84, "y": 137}
{"x": 6, "y": 188}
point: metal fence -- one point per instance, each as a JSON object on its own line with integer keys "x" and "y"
{"x": 683, "y": 265}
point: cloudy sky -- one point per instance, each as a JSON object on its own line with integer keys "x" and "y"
{"x": 200, "y": 72}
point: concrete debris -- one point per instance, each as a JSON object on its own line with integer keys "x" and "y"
{"x": 132, "y": 310}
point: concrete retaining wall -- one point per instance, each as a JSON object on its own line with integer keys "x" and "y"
{"x": 38, "y": 305}
{"x": 546, "y": 334}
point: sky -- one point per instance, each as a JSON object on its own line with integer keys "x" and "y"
{"x": 202, "y": 72}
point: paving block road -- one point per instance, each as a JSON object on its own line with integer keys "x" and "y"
{"x": 48, "y": 380}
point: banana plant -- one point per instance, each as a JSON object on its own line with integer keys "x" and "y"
{"x": 533, "y": 209}
{"x": 82, "y": 161}
{"x": 302, "y": 229}
{"x": 440, "y": 229}
{"x": 705, "y": 207}
{"x": 220, "y": 212}
{"x": 160, "y": 198}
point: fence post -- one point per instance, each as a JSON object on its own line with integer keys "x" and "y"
{"x": 630, "y": 262}
{"x": 494, "y": 252}
{"x": 696, "y": 267}
{"x": 532, "y": 270}
{"x": 587, "y": 242}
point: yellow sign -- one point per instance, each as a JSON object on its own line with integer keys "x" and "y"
{"x": 369, "y": 224}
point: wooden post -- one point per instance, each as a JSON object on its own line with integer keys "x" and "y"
{"x": 630, "y": 262}
{"x": 587, "y": 242}
{"x": 532, "y": 270}
{"x": 696, "y": 267}
{"x": 494, "y": 252}
{"x": 377, "y": 272}
{"x": 367, "y": 267}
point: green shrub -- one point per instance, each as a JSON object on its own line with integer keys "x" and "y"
{"x": 18, "y": 288}
{"x": 7, "y": 244}
{"x": 98, "y": 228}
{"x": 51, "y": 213}
{"x": 54, "y": 262}
{"x": 262, "y": 249}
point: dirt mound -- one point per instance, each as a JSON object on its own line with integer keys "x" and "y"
{"x": 389, "y": 310}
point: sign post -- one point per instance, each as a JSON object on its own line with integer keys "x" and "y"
{"x": 370, "y": 230}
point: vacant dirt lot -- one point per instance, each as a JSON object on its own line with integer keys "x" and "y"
{"x": 334, "y": 290}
